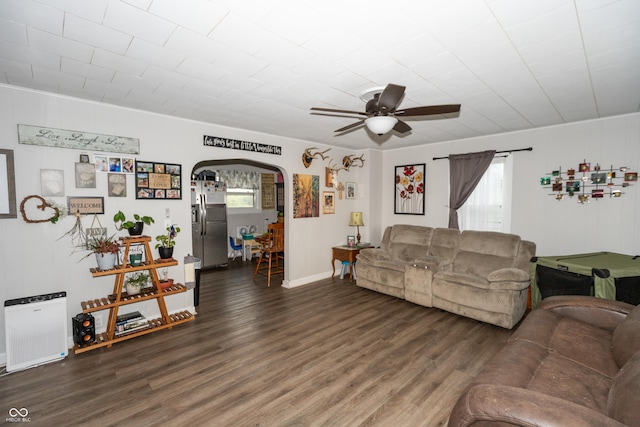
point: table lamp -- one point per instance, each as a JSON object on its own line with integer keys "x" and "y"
{"x": 356, "y": 219}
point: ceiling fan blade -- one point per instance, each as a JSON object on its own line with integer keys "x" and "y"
{"x": 335, "y": 115}
{"x": 401, "y": 127}
{"x": 390, "y": 97}
{"x": 351, "y": 126}
{"x": 332, "y": 110}
{"x": 428, "y": 110}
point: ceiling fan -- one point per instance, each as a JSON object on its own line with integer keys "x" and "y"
{"x": 382, "y": 113}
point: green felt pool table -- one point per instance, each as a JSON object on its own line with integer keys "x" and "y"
{"x": 603, "y": 274}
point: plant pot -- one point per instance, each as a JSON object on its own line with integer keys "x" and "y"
{"x": 137, "y": 229}
{"x": 135, "y": 260}
{"x": 165, "y": 253}
{"x": 106, "y": 261}
{"x": 165, "y": 284}
{"x": 132, "y": 290}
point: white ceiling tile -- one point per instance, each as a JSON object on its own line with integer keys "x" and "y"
{"x": 140, "y": 4}
{"x": 92, "y": 34}
{"x": 609, "y": 16}
{"x": 135, "y": 82}
{"x": 227, "y": 33}
{"x": 283, "y": 53}
{"x": 152, "y": 54}
{"x": 130, "y": 20}
{"x": 173, "y": 78}
{"x": 28, "y": 55}
{"x": 93, "y": 10}
{"x": 201, "y": 16}
{"x": 15, "y": 68}
{"x": 511, "y": 12}
{"x": 13, "y": 32}
{"x": 189, "y": 43}
{"x": 33, "y": 84}
{"x": 555, "y": 23}
{"x": 304, "y": 24}
{"x": 48, "y": 42}
{"x": 33, "y": 14}
{"x": 61, "y": 78}
{"x": 103, "y": 58}
{"x": 82, "y": 69}
{"x": 201, "y": 70}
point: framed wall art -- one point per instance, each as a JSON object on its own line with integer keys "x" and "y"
{"x": 328, "y": 202}
{"x": 7, "y": 185}
{"x": 85, "y": 175}
{"x": 155, "y": 180}
{"x": 351, "y": 190}
{"x": 306, "y": 196}
{"x": 52, "y": 182}
{"x": 409, "y": 189}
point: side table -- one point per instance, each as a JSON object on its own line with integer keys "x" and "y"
{"x": 345, "y": 253}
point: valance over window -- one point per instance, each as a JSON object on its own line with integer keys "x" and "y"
{"x": 240, "y": 179}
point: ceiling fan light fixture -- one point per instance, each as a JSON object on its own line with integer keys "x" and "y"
{"x": 380, "y": 124}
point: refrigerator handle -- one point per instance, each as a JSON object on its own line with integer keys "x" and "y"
{"x": 203, "y": 215}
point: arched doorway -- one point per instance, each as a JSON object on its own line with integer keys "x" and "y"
{"x": 266, "y": 208}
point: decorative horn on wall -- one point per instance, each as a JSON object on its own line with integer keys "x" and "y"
{"x": 308, "y": 156}
{"x": 352, "y": 161}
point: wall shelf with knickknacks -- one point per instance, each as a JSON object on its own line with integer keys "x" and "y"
{"x": 588, "y": 182}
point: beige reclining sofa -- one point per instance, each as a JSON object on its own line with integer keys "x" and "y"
{"x": 477, "y": 274}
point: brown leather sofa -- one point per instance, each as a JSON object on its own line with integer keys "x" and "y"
{"x": 574, "y": 361}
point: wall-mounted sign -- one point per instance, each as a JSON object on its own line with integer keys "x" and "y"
{"x": 62, "y": 138}
{"x": 234, "y": 144}
{"x": 85, "y": 205}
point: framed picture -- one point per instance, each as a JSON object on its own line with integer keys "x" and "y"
{"x": 328, "y": 177}
{"x": 156, "y": 180}
{"x": 631, "y": 176}
{"x": 52, "y": 182}
{"x": 328, "y": 202}
{"x": 101, "y": 163}
{"x": 7, "y": 185}
{"x": 306, "y": 196}
{"x": 85, "y": 175}
{"x": 351, "y": 190}
{"x": 409, "y": 189}
{"x": 351, "y": 241}
{"x": 117, "y": 185}
{"x": 84, "y": 158}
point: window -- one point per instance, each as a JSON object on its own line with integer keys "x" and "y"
{"x": 486, "y": 208}
{"x": 241, "y": 198}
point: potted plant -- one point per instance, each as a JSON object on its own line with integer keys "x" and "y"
{"x": 166, "y": 242}
{"x": 135, "y": 282}
{"x": 106, "y": 250}
{"x": 134, "y": 227}
{"x": 165, "y": 282}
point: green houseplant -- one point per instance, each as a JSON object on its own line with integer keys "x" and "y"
{"x": 134, "y": 227}
{"x": 135, "y": 282}
{"x": 166, "y": 242}
{"x": 106, "y": 250}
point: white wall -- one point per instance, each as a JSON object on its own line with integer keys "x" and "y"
{"x": 34, "y": 260}
{"x": 557, "y": 227}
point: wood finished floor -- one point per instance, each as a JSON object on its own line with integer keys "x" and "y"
{"x": 325, "y": 354}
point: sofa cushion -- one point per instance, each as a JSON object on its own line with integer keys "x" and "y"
{"x": 623, "y": 395}
{"x": 444, "y": 243}
{"x": 481, "y": 252}
{"x": 582, "y": 343}
{"x": 626, "y": 337}
{"x": 409, "y": 242}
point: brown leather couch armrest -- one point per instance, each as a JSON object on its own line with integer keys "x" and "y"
{"x": 600, "y": 312}
{"x": 485, "y": 404}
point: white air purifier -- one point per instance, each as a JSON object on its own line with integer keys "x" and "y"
{"x": 35, "y": 330}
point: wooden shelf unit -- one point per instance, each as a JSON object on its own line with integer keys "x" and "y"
{"x": 120, "y": 298}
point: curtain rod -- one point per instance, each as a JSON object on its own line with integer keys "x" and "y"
{"x": 497, "y": 152}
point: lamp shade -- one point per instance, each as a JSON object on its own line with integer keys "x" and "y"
{"x": 356, "y": 219}
{"x": 380, "y": 124}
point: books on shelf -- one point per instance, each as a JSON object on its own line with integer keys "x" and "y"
{"x": 130, "y": 322}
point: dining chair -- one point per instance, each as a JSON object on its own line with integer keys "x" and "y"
{"x": 272, "y": 247}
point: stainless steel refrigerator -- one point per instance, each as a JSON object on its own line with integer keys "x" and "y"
{"x": 209, "y": 223}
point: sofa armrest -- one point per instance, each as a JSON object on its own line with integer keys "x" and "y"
{"x": 487, "y": 403}
{"x": 373, "y": 254}
{"x": 600, "y": 312}
{"x": 508, "y": 275}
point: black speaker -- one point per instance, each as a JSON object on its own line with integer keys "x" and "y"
{"x": 84, "y": 329}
